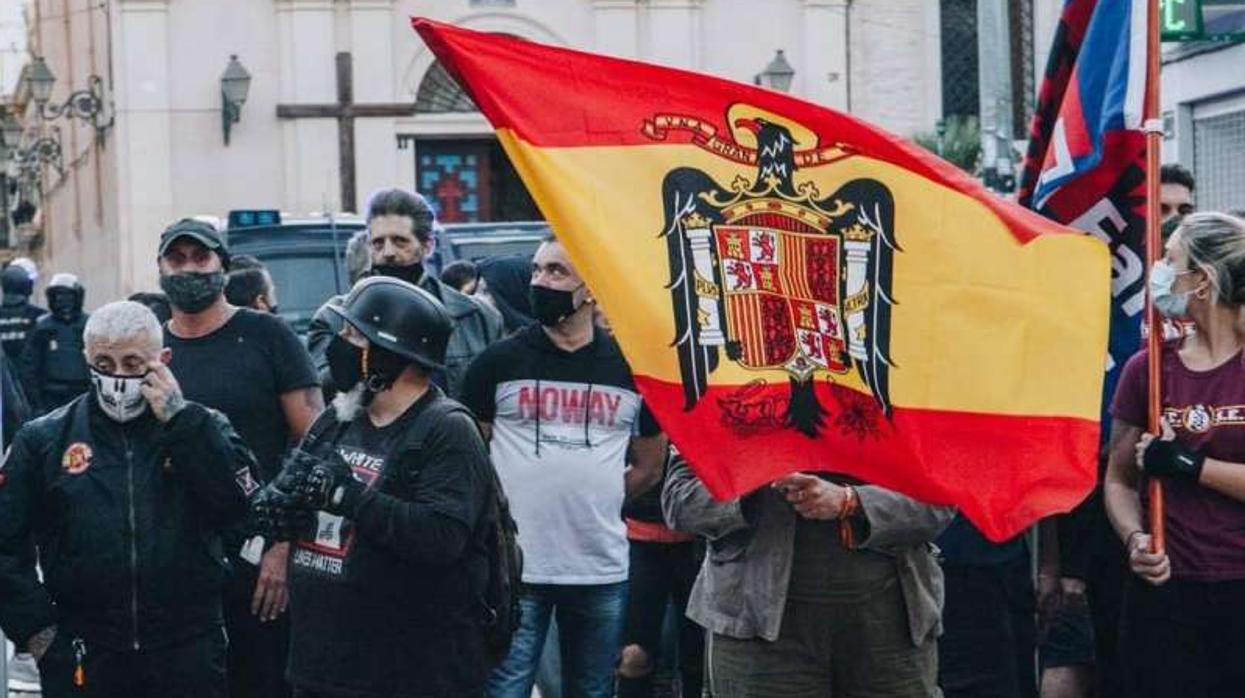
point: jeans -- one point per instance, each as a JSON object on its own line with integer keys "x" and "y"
{"x": 590, "y": 623}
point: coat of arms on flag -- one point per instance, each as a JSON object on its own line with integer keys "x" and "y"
{"x": 775, "y": 275}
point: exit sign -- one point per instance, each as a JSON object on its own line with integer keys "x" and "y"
{"x": 1199, "y": 20}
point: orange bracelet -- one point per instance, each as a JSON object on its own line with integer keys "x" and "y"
{"x": 847, "y": 534}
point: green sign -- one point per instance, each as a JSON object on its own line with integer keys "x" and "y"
{"x": 1180, "y": 20}
{"x": 1201, "y": 20}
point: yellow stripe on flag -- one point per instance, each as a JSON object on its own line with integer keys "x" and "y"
{"x": 981, "y": 322}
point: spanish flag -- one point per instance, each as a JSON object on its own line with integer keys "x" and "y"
{"x": 797, "y": 290}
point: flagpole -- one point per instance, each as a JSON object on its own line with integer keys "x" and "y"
{"x": 1154, "y": 339}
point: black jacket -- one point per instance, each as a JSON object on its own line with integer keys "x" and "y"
{"x": 125, "y": 518}
{"x": 54, "y": 368}
{"x": 17, "y": 319}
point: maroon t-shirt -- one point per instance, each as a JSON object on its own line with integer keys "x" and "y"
{"x": 1205, "y": 529}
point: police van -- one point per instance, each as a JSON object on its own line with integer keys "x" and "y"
{"x": 306, "y": 255}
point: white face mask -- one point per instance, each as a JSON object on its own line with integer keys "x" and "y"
{"x": 119, "y": 396}
{"x": 1162, "y": 278}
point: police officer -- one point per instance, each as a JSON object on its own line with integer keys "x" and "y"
{"x": 385, "y": 585}
{"x": 123, "y": 492}
{"x": 17, "y": 313}
{"x": 53, "y": 363}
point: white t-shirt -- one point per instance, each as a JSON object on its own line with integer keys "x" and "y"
{"x": 562, "y": 423}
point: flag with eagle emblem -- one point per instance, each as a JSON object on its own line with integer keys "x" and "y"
{"x": 797, "y": 290}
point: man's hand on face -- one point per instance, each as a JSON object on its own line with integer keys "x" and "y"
{"x": 162, "y": 392}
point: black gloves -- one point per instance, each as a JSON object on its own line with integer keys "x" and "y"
{"x": 1170, "y": 459}
{"x": 285, "y": 509}
{"x": 280, "y": 516}
{"x": 331, "y": 486}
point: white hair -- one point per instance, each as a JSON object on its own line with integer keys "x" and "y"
{"x": 121, "y": 321}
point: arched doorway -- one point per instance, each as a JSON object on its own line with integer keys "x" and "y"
{"x": 468, "y": 179}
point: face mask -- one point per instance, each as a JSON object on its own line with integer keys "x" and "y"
{"x": 1162, "y": 277}
{"x": 551, "y": 306}
{"x": 63, "y": 305}
{"x": 193, "y": 292}
{"x": 119, "y": 396}
{"x": 410, "y": 273}
{"x": 345, "y": 364}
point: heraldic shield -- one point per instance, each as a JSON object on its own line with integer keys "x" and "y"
{"x": 774, "y": 274}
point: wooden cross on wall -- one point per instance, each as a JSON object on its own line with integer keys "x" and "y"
{"x": 345, "y": 111}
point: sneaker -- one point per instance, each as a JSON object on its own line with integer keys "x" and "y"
{"x": 23, "y": 673}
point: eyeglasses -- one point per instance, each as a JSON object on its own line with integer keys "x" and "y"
{"x": 1183, "y": 209}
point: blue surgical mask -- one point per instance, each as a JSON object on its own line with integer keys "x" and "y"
{"x": 1162, "y": 277}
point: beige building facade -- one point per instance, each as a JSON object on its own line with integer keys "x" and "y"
{"x": 162, "y": 153}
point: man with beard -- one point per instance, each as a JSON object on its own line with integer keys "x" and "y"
{"x": 123, "y": 492}
{"x": 252, "y": 367}
{"x": 571, "y": 439}
{"x": 399, "y": 225}
{"x": 17, "y": 313}
{"x": 388, "y": 578}
{"x": 53, "y": 366}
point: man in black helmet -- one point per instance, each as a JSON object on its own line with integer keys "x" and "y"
{"x": 53, "y": 364}
{"x": 399, "y": 228}
{"x": 17, "y": 313}
{"x": 387, "y": 574}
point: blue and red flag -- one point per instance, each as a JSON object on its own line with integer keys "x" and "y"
{"x": 1087, "y": 151}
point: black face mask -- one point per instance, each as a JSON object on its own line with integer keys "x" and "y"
{"x": 411, "y": 273}
{"x": 193, "y": 292}
{"x": 63, "y": 305}
{"x": 346, "y": 366}
{"x": 551, "y": 306}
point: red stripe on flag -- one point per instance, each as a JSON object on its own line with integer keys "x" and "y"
{"x": 1047, "y": 455}
{"x": 558, "y": 97}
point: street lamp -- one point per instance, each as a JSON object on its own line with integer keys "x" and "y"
{"x": 235, "y": 83}
{"x": 10, "y": 135}
{"x": 85, "y": 105}
{"x": 777, "y": 75}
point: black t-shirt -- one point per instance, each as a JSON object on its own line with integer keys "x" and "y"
{"x": 243, "y": 369}
{"x": 370, "y": 614}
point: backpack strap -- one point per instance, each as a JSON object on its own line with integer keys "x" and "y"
{"x": 325, "y": 426}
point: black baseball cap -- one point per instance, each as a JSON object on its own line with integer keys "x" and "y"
{"x": 199, "y": 231}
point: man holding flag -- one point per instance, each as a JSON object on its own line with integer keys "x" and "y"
{"x": 798, "y": 291}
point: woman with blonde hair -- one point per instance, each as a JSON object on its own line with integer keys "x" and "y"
{"x": 1183, "y": 629}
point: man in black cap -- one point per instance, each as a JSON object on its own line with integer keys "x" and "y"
{"x": 252, "y": 367}
{"x": 17, "y": 313}
{"x": 388, "y": 577}
{"x": 54, "y": 367}
{"x": 399, "y": 228}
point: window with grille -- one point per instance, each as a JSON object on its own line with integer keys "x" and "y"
{"x": 960, "y": 89}
{"x": 1219, "y": 161}
{"x": 439, "y": 93}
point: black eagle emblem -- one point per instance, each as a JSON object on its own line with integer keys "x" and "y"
{"x": 778, "y": 276}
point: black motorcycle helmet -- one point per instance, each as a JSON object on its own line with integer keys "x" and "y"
{"x": 399, "y": 317}
{"x": 65, "y": 296}
{"x": 16, "y": 282}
